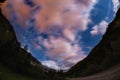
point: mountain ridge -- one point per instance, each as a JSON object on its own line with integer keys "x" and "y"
{"x": 17, "y": 61}
{"x": 105, "y": 55}
{"x": 13, "y": 56}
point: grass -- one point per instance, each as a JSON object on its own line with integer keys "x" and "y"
{"x": 7, "y": 74}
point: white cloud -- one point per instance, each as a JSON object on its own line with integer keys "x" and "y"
{"x": 51, "y": 64}
{"x": 63, "y": 51}
{"x": 116, "y": 4}
{"x": 100, "y": 28}
{"x": 63, "y": 18}
{"x": 65, "y": 13}
{"x": 53, "y": 12}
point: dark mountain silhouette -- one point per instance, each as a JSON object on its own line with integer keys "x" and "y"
{"x": 13, "y": 56}
{"x": 105, "y": 55}
{"x": 16, "y": 63}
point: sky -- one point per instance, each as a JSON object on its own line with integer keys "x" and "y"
{"x": 60, "y": 33}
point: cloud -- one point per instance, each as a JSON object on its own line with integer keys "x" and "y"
{"x": 37, "y": 46}
{"x": 51, "y": 64}
{"x": 100, "y": 28}
{"x": 56, "y": 24}
{"x": 116, "y": 4}
{"x": 21, "y": 10}
{"x": 64, "y": 13}
{"x": 64, "y": 51}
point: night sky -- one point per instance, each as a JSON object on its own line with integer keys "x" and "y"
{"x": 59, "y": 33}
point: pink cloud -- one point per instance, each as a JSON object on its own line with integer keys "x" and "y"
{"x": 53, "y": 13}
{"x": 22, "y": 10}
{"x": 66, "y": 16}
{"x": 100, "y": 28}
{"x": 63, "y": 51}
{"x": 37, "y": 46}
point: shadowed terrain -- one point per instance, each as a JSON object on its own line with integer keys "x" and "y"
{"x": 110, "y": 74}
{"x": 101, "y": 64}
{"x": 16, "y": 63}
{"x": 12, "y": 56}
{"x": 104, "y": 56}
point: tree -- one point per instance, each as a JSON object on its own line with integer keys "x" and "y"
{"x": 26, "y": 47}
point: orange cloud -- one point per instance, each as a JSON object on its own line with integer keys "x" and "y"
{"x": 66, "y": 16}
{"x": 63, "y": 50}
{"x": 22, "y": 11}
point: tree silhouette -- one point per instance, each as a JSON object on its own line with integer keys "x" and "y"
{"x": 26, "y": 47}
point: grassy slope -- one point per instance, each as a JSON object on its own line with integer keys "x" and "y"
{"x": 16, "y": 62}
{"x": 15, "y": 58}
{"x": 110, "y": 74}
{"x": 7, "y": 74}
{"x": 106, "y": 54}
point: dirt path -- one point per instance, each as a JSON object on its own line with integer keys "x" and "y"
{"x": 111, "y": 74}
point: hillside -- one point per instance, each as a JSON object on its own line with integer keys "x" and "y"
{"x": 13, "y": 57}
{"x": 7, "y": 74}
{"x": 105, "y": 55}
{"x": 16, "y": 63}
{"x": 112, "y": 73}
